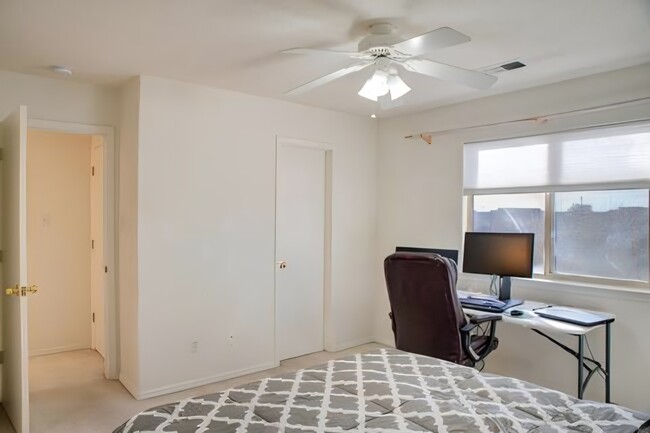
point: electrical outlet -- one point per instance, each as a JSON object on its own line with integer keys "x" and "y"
{"x": 231, "y": 339}
{"x": 195, "y": 347}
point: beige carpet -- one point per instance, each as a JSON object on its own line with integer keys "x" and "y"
{"x": 68, "y": 393}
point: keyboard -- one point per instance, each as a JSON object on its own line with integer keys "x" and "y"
{"x": 483, "y": 304}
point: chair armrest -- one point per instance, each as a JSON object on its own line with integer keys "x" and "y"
{"x": 466, "y": 335}
{"x": 482, "y": 318}
{"x": 474, "y": 321}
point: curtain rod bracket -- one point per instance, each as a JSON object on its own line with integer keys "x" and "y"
{"x": 427, "y": 138}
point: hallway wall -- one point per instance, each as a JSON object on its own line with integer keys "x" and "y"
{"x": 58, "y": 241}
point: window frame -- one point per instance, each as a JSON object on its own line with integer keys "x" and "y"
{"x": 549, "y": 230}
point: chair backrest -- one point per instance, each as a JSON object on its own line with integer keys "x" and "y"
{"x": 426, "y": 313}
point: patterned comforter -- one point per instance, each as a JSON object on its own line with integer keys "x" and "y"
{"x": 383, "y": 391}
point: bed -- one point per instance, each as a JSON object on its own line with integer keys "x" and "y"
{"x": 386, "y": 390}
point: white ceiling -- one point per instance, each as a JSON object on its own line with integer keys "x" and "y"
{"x": 234, "y": 44}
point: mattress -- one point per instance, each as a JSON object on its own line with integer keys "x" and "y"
{"x": 386, "y": 391}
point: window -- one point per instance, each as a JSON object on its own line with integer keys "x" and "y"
{"x": 601, "y": 233}
{"x": 513, "y": 213}
{"x": 585, "y": 194}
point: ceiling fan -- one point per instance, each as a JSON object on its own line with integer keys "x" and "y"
{"x": 384, "y": 49}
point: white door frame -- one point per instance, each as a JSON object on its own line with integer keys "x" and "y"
{"x": 93, "y": 265}
{"x": 111, "y": 365}
{"x": 328, "y": 322}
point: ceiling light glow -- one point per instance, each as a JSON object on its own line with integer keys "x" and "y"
{"x": 381, "y": 84}
{"x": 376, "y": 86}
{"x": 397, "y": 87}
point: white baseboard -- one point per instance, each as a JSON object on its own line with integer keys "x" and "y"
{"x": 390, "y": 342}
{"x": 342, "y": 345}
{"x": 182, "y": 386}
{"x": 128, "y": 384}
{"x": 53, "y": 350}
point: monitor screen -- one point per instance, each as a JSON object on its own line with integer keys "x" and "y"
{"x": 503, "y": 254}
{"x": 450, "y": 254}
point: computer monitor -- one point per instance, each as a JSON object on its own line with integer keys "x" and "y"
{"x": 450, "y": 254}
{"x": 503, "y": 254}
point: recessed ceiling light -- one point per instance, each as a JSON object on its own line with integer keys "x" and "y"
{"x": 61, "y": 70}
{"x": 374, "y": 116}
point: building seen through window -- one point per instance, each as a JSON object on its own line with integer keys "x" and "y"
{"x": 594, "y": 233}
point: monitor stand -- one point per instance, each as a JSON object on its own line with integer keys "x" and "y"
{"x": 504, "y": 293}
{"x": 511, "y": 303}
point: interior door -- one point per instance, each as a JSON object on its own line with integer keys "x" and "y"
{"x": 97, "y": 274}
{"x": 300, "y": 244}
{"x": 14, "y": 269}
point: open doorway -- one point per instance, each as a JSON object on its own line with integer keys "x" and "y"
{"x": 69, "y": 250}
{"x": 61, "y": 233}
{"x": 65, "y": 238}
{"x": 15, "y": 365}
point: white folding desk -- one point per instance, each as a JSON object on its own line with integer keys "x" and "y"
{"x": 542, "y": 326}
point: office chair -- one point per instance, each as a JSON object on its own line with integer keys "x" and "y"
{"x": 427, "y": 317}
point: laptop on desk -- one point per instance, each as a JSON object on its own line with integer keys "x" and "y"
{"x": 575, "y": 316}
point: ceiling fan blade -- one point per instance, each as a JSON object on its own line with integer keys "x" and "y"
{"x": 424, "y": 44}
{"x": 477, "y": 80}
{"x": 330, "y": 53}
{"x": 326, "y": 79}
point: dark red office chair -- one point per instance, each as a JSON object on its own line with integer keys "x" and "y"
{"x": 426, "y": 315}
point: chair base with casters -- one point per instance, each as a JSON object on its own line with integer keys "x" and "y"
{"x": 427, "y": 317}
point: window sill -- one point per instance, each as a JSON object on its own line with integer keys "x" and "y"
{"x": 480, "y": 283}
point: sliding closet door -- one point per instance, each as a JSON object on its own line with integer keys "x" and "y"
{"x": 300, "y": 245}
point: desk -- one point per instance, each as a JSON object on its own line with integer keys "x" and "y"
{"x": 543, "y": 326}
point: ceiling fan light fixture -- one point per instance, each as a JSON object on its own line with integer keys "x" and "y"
{"x": 376, "y": 86}
{"x": 384, "y": 50}
{"x": 397, "y": 87}
{"x": 384, "y": 86}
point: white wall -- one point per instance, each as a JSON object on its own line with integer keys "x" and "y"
{"x": 206, "y": 225}
{"x": 128, "y": 235}
{"x": 420, "y": 203}
{"x": 58, "y": 241}
{"x": 56, "y": 99}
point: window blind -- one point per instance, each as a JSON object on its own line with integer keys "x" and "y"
{"x": 559, "y": 161}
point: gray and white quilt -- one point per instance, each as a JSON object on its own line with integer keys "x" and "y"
{"x": 386, "y": 391}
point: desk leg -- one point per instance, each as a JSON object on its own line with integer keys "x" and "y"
{"x": 594, "y": 366}
{"x": 581, "y": 360}
{"x": 608, "y": 360}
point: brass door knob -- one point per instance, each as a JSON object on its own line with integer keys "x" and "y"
{"x": 21, "y": 290}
